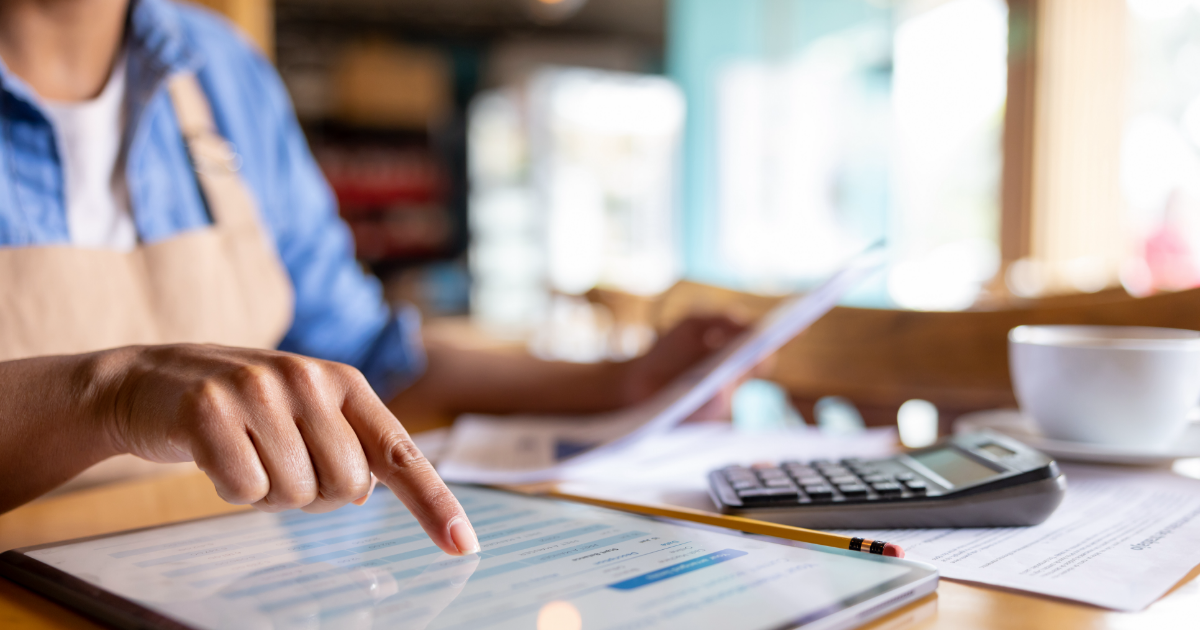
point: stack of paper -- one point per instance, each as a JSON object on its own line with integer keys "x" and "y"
{"x": 1121, "y": 539}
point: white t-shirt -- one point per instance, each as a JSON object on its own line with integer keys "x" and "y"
{"x": 89, "y": 141}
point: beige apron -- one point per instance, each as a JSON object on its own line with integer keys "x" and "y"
{"x": 223, "y": 284}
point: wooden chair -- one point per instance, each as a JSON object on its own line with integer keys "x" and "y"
{"x": 879, "y": 359}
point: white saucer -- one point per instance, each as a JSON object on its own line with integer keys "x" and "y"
{"x": 1012, "y": 423}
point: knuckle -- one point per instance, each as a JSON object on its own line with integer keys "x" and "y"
{"x": 203, "y": 397}
{"x": 301, "y": 371}
{"x": 203, "y": 410}
{"x": 255, "y": 382}
{"x": 402, "y": 455}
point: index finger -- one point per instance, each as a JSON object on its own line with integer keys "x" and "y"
{"x": 399, "y": 465}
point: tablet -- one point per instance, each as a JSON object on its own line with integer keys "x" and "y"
{"x": 546, "y": 564}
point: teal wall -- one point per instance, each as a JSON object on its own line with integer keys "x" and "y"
{"x": 703, "y": 36}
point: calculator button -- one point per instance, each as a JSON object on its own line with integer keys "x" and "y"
{"x": 778, "y": 483}
{"x": 760, "y": 496}
{"x": 904, "y": 476}
{"x": 819, "y": 492}
{"x": 852, "y": 489}
{"x": 743, "y": 485}
{"x": 843, "y": 479}
{"x": 886, "y": 487}
{"x": 915, "y": 485}
{"x": 834, "y": 471}
{"x": 812, "y": 480}
{"x": 875, "y": 478}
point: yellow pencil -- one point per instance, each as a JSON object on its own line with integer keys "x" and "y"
{"x": 751, "y": 526}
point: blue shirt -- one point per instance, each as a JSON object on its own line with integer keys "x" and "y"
{"x": 340, "y": 314}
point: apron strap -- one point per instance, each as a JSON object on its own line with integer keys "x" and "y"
{"x": 214, "y": 159}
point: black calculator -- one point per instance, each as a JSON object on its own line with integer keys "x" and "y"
{"x": 980, "y": 479}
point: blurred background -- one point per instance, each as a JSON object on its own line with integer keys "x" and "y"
{"x": 542, "y": 171}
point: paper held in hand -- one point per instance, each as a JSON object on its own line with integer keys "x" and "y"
{"x": 528, "y": 449}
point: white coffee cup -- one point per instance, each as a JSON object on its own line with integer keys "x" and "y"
{"x": 1127, "y": 386}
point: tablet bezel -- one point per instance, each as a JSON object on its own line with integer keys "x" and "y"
{"x": 108, "y": 607}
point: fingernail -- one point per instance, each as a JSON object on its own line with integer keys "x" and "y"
{"x": 361, "y": 501}
{"x": 463, "y": 536}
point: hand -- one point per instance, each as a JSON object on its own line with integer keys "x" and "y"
{"x": 272, "y": 429}
{"x": 678, "y": 350}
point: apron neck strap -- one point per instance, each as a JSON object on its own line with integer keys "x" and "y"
{"x": 191, "y": 106}
{"x": 214, "y": 159}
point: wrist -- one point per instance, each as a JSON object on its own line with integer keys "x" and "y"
{"x": 100, "y": 379}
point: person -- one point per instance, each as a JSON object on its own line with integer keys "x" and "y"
{"x": 178, "y": 286}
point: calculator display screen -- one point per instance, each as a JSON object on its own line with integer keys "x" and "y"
{"x": 997, "y": 450}
{"x": 955, "y": 467}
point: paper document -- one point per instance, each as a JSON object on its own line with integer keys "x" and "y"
{"x": 490, "y": 449}
{"x": 1121, "y": 539}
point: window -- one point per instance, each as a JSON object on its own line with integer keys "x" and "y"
{"x": 817, "y": 128}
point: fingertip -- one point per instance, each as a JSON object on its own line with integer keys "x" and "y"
{"x": 893, "y": 550}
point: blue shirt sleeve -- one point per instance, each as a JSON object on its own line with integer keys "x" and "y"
{"x": 340, "y": 312}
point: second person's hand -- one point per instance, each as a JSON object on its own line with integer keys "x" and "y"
{"x": 679, "y": 349}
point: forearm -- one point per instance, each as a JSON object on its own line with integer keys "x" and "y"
{"x": 462, "y": 381}
{"x": 51, "y": 425}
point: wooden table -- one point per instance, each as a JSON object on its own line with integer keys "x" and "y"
{"x": 164, "y": 499}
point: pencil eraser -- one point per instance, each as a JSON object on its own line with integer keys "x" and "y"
{"x": 893, "y": 550}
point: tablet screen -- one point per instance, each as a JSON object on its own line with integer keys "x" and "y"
{"x": 545, "y": 564}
